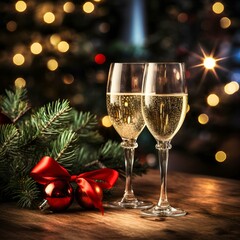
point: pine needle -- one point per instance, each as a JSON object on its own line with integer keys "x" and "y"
{"x": 9, "y": 136}
{"x": 14, "y": 104}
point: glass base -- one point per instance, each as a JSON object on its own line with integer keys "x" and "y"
{"x": 157, "y": 211}
{"x": 129, "y": 204}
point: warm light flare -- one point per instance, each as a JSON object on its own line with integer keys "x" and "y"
{"x": 209, "y": 62}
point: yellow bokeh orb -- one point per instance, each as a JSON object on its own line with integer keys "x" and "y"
{"x": 36, "y": 48}
{"x": 68, "y": 7}
{"x": 48, "y": 17}
{"x": 203, "y": 118}
{"x": 106, "y": 121}
{"x": 18, "y": 59}
{"x": 63, "y": 46}
{"x": 20, "y": 6}
{"x": 218, "y": 7}
{"x": 20, "y": 82}
{"x": 52, "y": 64}
{"x": 213, "y": 100}
{"x": 231, "y": 88}
{"x": 55, "y": 39}
{"x": 220, "y": 156}
{"x": 88, "y": 7}
{"x": 225, "y": 22}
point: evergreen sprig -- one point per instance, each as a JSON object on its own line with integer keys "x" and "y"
{"x": 57, "y": 130}
{"x": 9, "y": 140}
{"x": 14, "y": 104}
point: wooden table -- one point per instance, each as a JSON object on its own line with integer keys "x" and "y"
{"x": 213, "y": 206}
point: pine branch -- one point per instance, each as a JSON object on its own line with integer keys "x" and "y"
{"x": 26, "y": 192}
{"x": 63, "y": 148}
{"x": 15, "y": 103}
{"x": 85, "y": 124}
{"x": 9, "y": 136}
{"x": 84, "y": 121}
{"x": 52, "y": 118}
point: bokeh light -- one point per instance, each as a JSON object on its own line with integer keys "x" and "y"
{"x": 220, "y": 156}
{"x": 209, "y": 62}
{"x": 68, "y": 7}
{"x": 100, "y": 58}
{"x": 55, "y": 39}
{"x": 218, "y": 7}
{"x": 182, "y": 17}
{"x": 18, "y": 59}
{"x": 231, "y": 88}
{"x": 48, "y": 17}
{"x": 203, "y": 118}
{"x": 11, "y": 26}
{"x": 68, "y": 79}
{"x": 106, "y": 121}
{"x": 225, "y": 22}
{"x": 213, "y": 100}
{"x": 20, "y": 82}
{"x": 88, "y": 7}
{"x": 36, "y": 48}
{"x": 52, "y": 64}
{"x": 104, "y": 27}
{"x": 63, "y": 46}
{"x": 20, "y": 6}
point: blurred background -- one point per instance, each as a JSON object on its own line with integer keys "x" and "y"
{"x": 63, "y": 49}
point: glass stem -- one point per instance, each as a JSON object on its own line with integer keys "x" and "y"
{"x": 129, "y": 150}
{"x": 163, "y": 151}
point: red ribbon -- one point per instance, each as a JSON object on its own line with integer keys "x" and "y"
{"x": 48, "y": 170}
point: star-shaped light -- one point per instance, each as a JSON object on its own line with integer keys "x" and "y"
{"x": 209, "y": 62}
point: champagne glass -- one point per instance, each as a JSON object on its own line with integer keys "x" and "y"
{"x": 124, "y": 108}
{"x": 164, "y": 105}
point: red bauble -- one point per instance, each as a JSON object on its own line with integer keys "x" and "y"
{"x": 4, "y": 119}
{"x": 84, "y": 200}
{"x": 59, "y": 195}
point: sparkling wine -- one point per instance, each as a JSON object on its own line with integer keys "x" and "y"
{"x": 124, "y": 110}
{"x": 164, "y": 114}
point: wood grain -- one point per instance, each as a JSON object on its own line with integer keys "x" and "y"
{"x": 213, "y": 206}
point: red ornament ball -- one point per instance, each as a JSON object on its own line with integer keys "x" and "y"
{"x": 84, "y": 200}
{"x": 59, "y": 195}
{"x": 4, "y": 119}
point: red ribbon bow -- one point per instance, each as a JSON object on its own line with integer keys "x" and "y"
{"x": 48, "y": 170}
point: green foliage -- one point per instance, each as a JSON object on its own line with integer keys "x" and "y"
{"x": 15, "y": 103}
{"x": 72, "y": 138}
